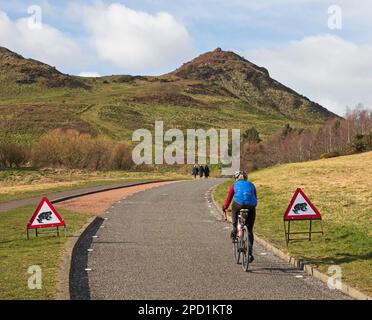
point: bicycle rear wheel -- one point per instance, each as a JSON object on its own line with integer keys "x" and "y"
{"x": 245, "y": 249}
{"x": 235, "y": 247}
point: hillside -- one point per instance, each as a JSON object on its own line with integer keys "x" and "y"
{"x": 14, "y": 69}
{"x": 341, "y": 189}
{"x": 248, "y": 82}
{"x": 218, "y": 89}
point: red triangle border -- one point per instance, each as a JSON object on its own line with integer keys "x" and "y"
{"x": 51, "y": 225}
{"x": 316, "y": 216}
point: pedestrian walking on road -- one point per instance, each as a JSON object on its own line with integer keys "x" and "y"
{"x": 195, "y": 171}
{"x": 201, "y": 172}
{"x": 206, "y": 172}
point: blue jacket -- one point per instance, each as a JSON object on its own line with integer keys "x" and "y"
{"x": 245, "y": 193}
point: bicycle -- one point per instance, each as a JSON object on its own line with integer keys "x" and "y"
{"x": 241, "y": 243}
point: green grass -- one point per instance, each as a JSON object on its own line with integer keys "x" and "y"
{"x": 341, "y": 188}
{"x": 17, "y": 254}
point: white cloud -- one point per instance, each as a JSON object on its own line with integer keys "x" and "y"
{"x": 46, "y": 43}
{"x": 89, "y": 74}
{"x": 135, "y": 41}
{"x": 326, "y": 68}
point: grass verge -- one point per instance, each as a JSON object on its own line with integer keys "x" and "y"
{"x": 341, "y": 188}
{"x": 16, "y": 184}
{"x": 17, "y": 254}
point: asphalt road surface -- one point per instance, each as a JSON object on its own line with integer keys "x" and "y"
{"x": 169, "y": 243}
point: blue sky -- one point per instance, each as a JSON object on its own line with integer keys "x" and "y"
{"x": 291, "y": 38}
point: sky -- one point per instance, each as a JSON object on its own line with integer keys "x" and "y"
{"x": 320, "y": 48}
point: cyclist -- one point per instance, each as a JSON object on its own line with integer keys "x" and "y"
{"x": 245, "y": 197}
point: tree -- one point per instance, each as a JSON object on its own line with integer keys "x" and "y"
{"x": 12, "y": 155}
{"x": 287, "y": 130}
{"x": 358, "y": 144}
{"x": 251, "y": 135}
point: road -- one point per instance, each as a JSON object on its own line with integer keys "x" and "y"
{"x": 168, "y": 243}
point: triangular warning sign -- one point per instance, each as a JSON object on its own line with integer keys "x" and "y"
{"x": 45, "y": 216}
{"x": 301, "y": 208}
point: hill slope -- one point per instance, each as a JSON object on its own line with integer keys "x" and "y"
{"x": 15, "y": 69}
{"x": 249, "y": 83}
{"x": 218, "y": 89}
{"x": 341, "y": 189}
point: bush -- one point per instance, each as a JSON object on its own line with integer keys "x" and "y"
{"x": 73, "y": 150}
{"x": 368, "y": 141}
{"x": 252, "y": 135}
{"x": 61, "y": 148}
{"x": 329, "y": 155}
{"x": 99, "y": 154}
{"x": 122, "y": 157}
{"x": 124, "y": 79}
{"x": 12, "y": 155}
{"x": 359, "y": 144}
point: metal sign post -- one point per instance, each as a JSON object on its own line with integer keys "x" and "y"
{"x": 288, "y": 233}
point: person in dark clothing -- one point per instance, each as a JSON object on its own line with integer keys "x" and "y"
{"x": 195, "y": 171}
{"x": 201, "y": 172}
{"x": 206, "y": 172}
{"x": 245, "y": 197}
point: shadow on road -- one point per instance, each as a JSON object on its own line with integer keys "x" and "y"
{"x": 79, "y": 282}
{"x": 275, "y": 269}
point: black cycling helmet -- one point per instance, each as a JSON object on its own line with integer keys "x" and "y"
{"x": 241, "y": 173}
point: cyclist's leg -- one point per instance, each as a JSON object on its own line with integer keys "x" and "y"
{"x": 250, "y": 224}
{"x": 235, "y": 209}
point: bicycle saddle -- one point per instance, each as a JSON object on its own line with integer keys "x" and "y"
{"x": 244, "y": 213}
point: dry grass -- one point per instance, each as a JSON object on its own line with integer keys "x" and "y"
{"x": 342, "y": 187}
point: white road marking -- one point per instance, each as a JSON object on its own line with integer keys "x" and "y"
{"x": 87, "y": 269}
{"x": 299, "y": 277}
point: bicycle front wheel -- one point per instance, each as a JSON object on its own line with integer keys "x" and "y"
{"x": 245, "y": 249}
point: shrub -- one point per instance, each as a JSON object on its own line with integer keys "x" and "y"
{"x": 61, "y": 148}
{"x": 74, "y": 150}
{"x": 12, "y": 155}
{"x": 125, "y": 79}
{"x": 122, "y": 156}
{"x": 358, "y": 144}
{"x": 329, "y": 155}
{"x": 99, "y": 154}
{"x": 252, "y": 135}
